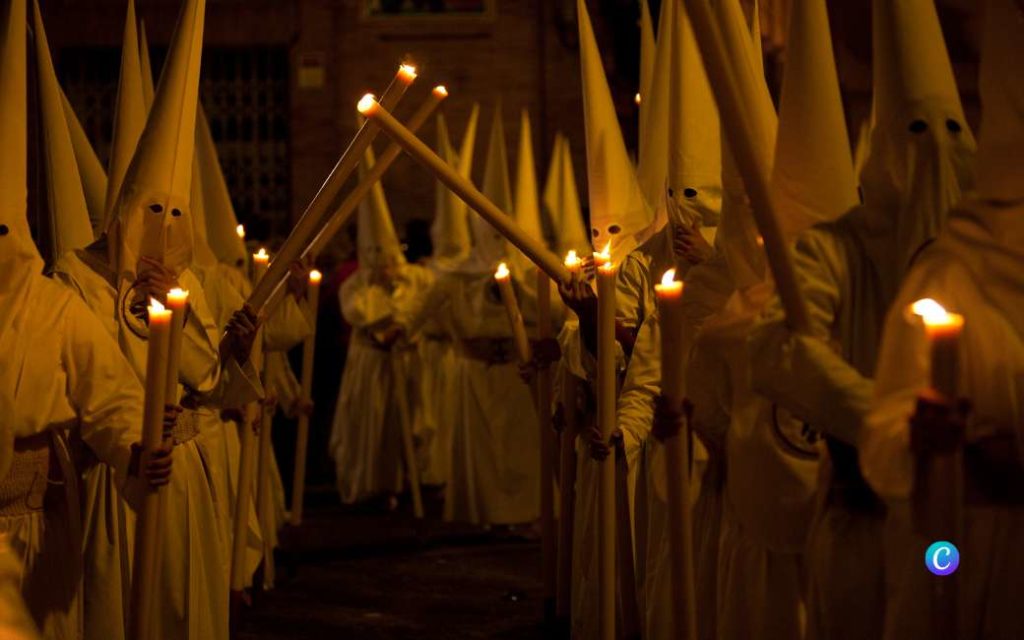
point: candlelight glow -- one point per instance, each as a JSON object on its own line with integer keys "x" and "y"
{"x": 407, "y": 72}
{"x": 571, "y": 259}
{"x": 668, "y": 278}
{"x": 636, "y": 99}
{"x": 440, "y": 91}
{"x": 934, "y": 314}
{"x": 502, "y": 272}
{"x": 367, "y": 104}
{"x": 315, "y": 277}
{"x": 261, "y": 255}
{"x": 240, "y": 230}
{"x": 155, "y": 307}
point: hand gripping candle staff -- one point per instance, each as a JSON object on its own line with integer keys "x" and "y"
{"x": 606, "y": 405}
{"x": 306, "y": 380}
{"x": 146, "y": 566}
{"x": 670, "y": 311}
{"x": 352, "y": 200}
{"x": 313, "y": 217}
{"x": 464, "y": 189}
{"x": 515, "y": 317}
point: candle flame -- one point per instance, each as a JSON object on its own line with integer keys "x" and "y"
{"x": 408, "y": 72}
{"x": 367, "y": 104}
{"x": 315, "y": 276}
{"x": 571, "y": 259}
{"x": 636, "y": 99}
{"x": 155, "y": 306}
{"x": 502, "y": 272}
{"x": 668, "y": 278}
{"x": 240, "y": 230}
{"x": 440, "y": 91}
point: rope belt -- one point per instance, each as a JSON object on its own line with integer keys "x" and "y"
{"x": 23, "y": 490}
{"x": 186, "y": 428}
{"x": 491, "y": 351}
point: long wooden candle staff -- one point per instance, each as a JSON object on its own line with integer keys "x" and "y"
{"x": 567, "y": 481}
{"x": 515, "y": 318}
{"x": 146, "y": 558}
{"x": 606, "y": 406}
{"x": 670, "y": 310}
{"x": 547, "y": 451}
{"x": 313, "y": 217}
{"x": 731, "y": 85}
{"x": 464, "y": 189}
{"x": 352, "y": 200}
{"x": 306, "y": 380}
{"x": 247, "y": 460}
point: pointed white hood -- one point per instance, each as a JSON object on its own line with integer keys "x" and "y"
{"x": 377, "y": 243}
{"x": 921, "y": 147}
{"x": 694, "y": 135}
{"x": 619, "y": 216}
{"x": 66, "y": 225}
{"x": 90, "y": 169}
{"x": 449, "y": 232}
{"x": 129, "y": 114}
{"x": 221, "y": 221}
{"x": 489, "y": 246}
{"x": 812, "y": 179}
{"x": 562, "y": 201}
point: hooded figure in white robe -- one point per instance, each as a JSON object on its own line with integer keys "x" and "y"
{"x": 975, "y": 269}
{"x": 378, "y": 301}
{"x": 451, "y": 244}
{"x": 62, "y": 377}
{"x": 850, "y": 271}
{"x": 493, "y": 475}
{"x": 149, "y": 235}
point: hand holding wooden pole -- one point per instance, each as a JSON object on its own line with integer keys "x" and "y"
{"x": 313, "y": 217}
{"x": 302, "y": 433}
{"x": 464, "y": 189}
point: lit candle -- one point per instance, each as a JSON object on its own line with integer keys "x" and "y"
{"x": 357, "y": 195}
{"x": 146, "y": 566}
{"x": 573, "y": 262}
{"x": 515, "y": 318}
{"x": 670, "y": 309}
{"x": 260, "y": 265}
{"x": 943, "y": 331}
{"x": 315, "y": 215}
{"x": 306, "y": 380}
{"x": 504, "y": 223}
{"x": 606, "y": 419}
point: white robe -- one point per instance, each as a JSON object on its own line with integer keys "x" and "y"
{"x": 974, "y": 269}
{"x": 366, "y": 439}
{"x": 193, "y": 592}
{"x": 75, "y": 380}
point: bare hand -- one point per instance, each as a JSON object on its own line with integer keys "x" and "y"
{"x": 298, "y": 278}
{"x": 241, "y": 335}
{"x": 154, "y": 279}
{"x": 689, "y": 244}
